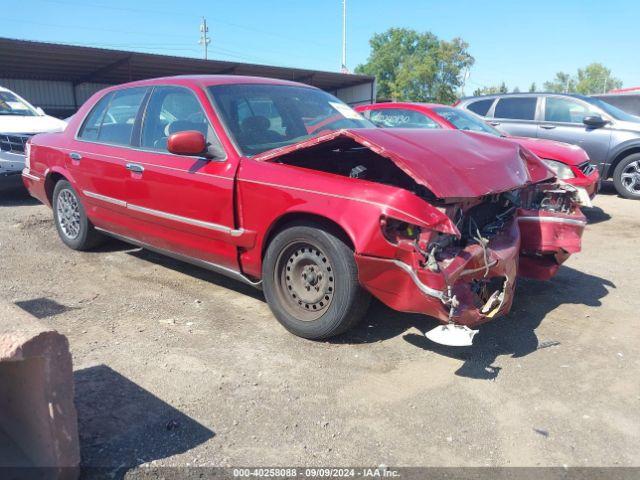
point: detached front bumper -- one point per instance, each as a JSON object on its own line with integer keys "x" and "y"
{"x": 468, "y": 289}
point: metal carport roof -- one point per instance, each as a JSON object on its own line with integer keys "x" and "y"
{"x": 50, "y": 61}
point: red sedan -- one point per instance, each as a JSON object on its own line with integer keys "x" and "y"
{"x": 570, "y": 163}
{"x": 223, "y": 172}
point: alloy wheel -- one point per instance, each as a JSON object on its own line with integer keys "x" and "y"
{"x": 630, "y": 177}
{"x": 68, "y": 213}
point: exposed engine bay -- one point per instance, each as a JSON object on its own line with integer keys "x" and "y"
{"x": 348, "y": 158}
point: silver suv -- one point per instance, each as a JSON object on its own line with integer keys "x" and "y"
{"x": 610, "y": 136}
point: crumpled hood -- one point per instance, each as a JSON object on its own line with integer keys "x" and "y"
{"x": 552, "y": 150}
{"x": 33, "y": 124}
{"x": 450, "y": 163}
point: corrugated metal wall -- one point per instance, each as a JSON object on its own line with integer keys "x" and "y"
{"x": 54, "y": 97}
{"x": 42, "y": 93}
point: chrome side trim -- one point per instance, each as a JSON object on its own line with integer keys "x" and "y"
{"x": 104, "y": 198}
{"x": 189, "y": 221}
{"x": 169, "y": 216}
{"x": 569, "y": 221}
{"x": 432, "y": 292}
{"x": 30, "y": 177}
{"x": 228, "y": 272}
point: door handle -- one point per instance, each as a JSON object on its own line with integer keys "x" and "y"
{"x": 75, "y": 156}
{"x": 495, "y": 124}
{"x": 548, "y": 127}
{"x": 134, "y": 167}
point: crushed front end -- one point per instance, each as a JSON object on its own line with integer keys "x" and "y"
{"x": 469, "y": 278}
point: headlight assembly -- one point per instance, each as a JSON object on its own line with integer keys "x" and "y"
{"x": 561, "y": 170}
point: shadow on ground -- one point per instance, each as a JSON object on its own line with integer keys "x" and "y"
{"x": 595, "y": 215}
{"x": 197, "y": 272}
{"x": 16, "y": 197}
{"x": 122, "y": 425}
{"x": 512, "y": 335}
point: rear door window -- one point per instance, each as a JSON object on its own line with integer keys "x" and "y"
{"x": 481, "y": 107}
{"x": 517, "y": 108}
{"x": 91, "y": 126}
{"x": 400, "y": 118}
{"x": 112, "y": 119}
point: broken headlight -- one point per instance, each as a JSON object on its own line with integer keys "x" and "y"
{"x": 396, "y": 230}
{"x": 561, "y": 170}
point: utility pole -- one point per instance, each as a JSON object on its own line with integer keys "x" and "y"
{"x": 204, "y": 37}
{"x": 344, "y": 68}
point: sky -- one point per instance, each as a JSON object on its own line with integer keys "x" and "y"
{"x": 515, "y": 42}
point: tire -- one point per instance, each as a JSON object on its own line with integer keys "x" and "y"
{"x": 626, "y": 177}
{"x": 74, "y": 228}
{"x": 310, "y": 281}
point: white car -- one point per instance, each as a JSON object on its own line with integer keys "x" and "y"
{"x": 19, "y": 120}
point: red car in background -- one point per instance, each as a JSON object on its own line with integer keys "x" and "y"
{"x": 570, "y": 163}
{"x": 224, "y": 172}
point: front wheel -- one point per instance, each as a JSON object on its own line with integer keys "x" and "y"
{"x": 74, "y": 228}
{"x": 310, "y": 281}
{"x": 626, "y": 177}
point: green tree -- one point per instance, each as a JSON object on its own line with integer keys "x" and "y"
{"x": 486, "y": 90}
{"x": 562, "y": 83}
{"x": 596, "y": 78}
{"x": 516, "y": 90}
{"x": 503, "y": 88}
{"x": 533, "y": 87}
{"x": 414, "y": 66}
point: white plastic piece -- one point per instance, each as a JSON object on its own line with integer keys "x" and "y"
{"x": 583, "y": 196}
{"x": 452, "y": 335}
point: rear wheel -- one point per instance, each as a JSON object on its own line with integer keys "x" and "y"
{"x": 310, "y": 280}
{"x": 626, "y": 177}
{"x": 74, "y": 228}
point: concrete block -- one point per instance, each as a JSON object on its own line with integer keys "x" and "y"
{"x": 38, "y": 421}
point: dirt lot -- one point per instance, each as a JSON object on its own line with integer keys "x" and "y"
{"x": 178, "y": 366}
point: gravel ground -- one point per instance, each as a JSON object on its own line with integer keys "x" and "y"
{"x": 178, "y": 366}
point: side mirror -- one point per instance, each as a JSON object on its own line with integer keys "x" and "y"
{"x": 40, "y": 111}
{"x": 594, "y": 121}
{"x": 190, "y": 142}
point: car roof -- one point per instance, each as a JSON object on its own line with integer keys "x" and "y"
{"x": 209, "y": 80}
{"x": 430, "y": 106}
{"x": 523, "y": 94}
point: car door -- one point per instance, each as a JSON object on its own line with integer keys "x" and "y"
{"x": 178, "y": 203}
{"x": 563, "y": 121}
{"x": 98, "y": 156}
{"x": 515, "y": 115}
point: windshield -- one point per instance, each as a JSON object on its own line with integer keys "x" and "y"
{"x": 10, "y": 104}
{"x": 262, "y": 117}
{"x": 615, "y": 112}
{"x": 466, "y": 121}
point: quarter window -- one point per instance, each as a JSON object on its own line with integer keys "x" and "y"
{"x": 175, "y": 109}
{"x": 566, "y": 110}
{"x": 517, "y": 108}
{"x": 401, "y": 118}
{"x": 481, "y": 107}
